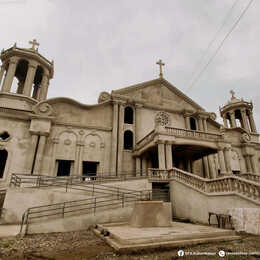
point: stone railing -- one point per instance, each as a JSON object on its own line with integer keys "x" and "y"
{"x": 229, "y": 184}
{"x": 146, "y": 139}
{"x": 250, "y": 176}
{"x": 192, "y": 133}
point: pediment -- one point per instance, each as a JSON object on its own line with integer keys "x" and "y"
{"x": 159, "y": 92}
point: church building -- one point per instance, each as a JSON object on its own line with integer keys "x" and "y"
{"x": 148, "y": 125}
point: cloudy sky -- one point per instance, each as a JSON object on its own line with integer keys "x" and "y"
{"x": 103, "y": 45}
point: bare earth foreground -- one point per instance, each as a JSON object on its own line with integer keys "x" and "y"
{"x": 85, "y": 245}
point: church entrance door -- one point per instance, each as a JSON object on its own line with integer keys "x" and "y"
{"x": 89, "y": 169}
{"x": 3, "y": 159}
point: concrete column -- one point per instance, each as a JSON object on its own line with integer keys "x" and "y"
{"x": 253, "y": 164}
{"x": 227, "y": 157}
{"x": 77, "y": 167}
{"x": 20, "y": 88}
{"x": 248, "y": 163}
{"x": 120, "y": 139}
{"x": 244, "y": 119}
{"x": 225, "y": 120}
{"x": 200, "y": 124}
{"x": 138, "y": 166}
{"x": 2, "y": 71}
{"x": 205, "y": 126}
{"x": 161, "y": 155}
{"x": 32, "y": 152}
{"x": 211, "y": 167}
{"x": 39, "y": 156}
{"x": 233, "y": 119}
{"x": 44, "y": 86}
{"x": 221, "y": 160}
{"x": 169, "y": 164}
{"x": 114, "y": 140}
{"x": 9, "y": 77}
{"x": 32, "y": 66}
{"x": 188, "y": 165}
{"x": 187, "y": 122}
{"x": 252, "y": 121}
{"x": 55, "y": 142}
{"x": 206, "y": 166}
{"x": 144, "y": 166}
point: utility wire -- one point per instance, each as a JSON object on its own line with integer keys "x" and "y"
{"x": 213, "y": 40}
{"x": 221, "y": 44}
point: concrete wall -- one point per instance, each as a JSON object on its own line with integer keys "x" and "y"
{"x": 81, "y": 222}
{"x": 18, "y": 200}
{"x": 194, "y": 205}
{"x": 140, "y": 185}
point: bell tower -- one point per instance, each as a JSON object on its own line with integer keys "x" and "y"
{"x": 238, "y": 113}
{"x": 32, "y": 71}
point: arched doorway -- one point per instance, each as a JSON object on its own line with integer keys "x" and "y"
{"x": 3, "y": 159}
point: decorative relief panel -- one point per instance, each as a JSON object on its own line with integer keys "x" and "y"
{"x": 44, "y": 109}
{"x": 103, "y": 97}
{"x": 162, "y": 118}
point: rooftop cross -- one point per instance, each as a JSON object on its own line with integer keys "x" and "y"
{"x": 160, "y": 63}
{"x": 34, "y": 43}
{"x": 232, "y": 92}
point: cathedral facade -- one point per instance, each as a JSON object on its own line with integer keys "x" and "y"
{"x": 149, "y": 125}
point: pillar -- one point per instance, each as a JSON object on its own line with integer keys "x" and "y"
{"x": 253, "y": 164}
{"x": 29, "y": 78}
{"x": 187, "y": 122}
{"x": 120, "y": 139}
{"x": 189, "y": 165}
{"x": 252, "y": 121}
{"x": 221, "y": 160}
{"x": 225, "y": 120}
{"x": 227, "y": 159}
{"x": 206, "y": 166}
{"x": 161, "y": 155}
{"x": 233, "y": 119}
{"x": 33, "y": 151}
{"x": 39, "y": 155}
{"x": 144, "y": 166}
{"x": 20, "y": 88}
{"x": 10, "y": 75}
{"x": 205, "y": 126}
{"x": 55, "y": 142}
{"x": 244, "y": 119}
{"x": 77, "y": 165}
{"x": 248, "y": 163}
{"x": 138, "y": 166}
{"x": 44, "y": 86}
{"x": 169, "y": 164}
{"x": 200, "y": 124}
{"x": 114, "y": 139}
{"x": 2, "y": 71}
{"x": 211, "y": 167}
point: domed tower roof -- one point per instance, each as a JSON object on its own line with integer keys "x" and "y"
{"x": 238, "y": 113}
{"x": 29, "y": 67}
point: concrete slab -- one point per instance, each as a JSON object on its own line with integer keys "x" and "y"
{"x": 123, "y": 237}
{"x": 9, "y": 230}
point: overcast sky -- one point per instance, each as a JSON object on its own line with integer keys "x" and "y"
{"x": 103, "y": 45}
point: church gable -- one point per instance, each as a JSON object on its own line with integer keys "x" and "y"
{"x": 159, "y": 92}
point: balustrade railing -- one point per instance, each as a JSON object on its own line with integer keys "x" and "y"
{"x": 227, "y": 184}
{"x": 145, "y": 139}
{"x": 192, "y": 133}
{"x": 250, "y": 176}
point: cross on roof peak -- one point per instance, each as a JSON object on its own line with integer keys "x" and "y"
{"x": 34, "y": 43}
{"x": 160, "y": 63}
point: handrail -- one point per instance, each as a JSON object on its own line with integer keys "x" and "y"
{"x": 242, "y": 186}
{"x": 91, "y": 204}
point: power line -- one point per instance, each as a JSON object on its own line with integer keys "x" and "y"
{"x": 213, "y": 39}
{"x": 221, "y": 44}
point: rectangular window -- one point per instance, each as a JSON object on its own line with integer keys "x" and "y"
{"x": 64, "y": 167}
{"x": 89, "y": 169}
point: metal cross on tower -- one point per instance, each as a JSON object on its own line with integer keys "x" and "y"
{"x": 34, "y": 43}
{"x": 160, "y": 63}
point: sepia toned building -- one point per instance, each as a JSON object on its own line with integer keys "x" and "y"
{"x": 128, "y": 131}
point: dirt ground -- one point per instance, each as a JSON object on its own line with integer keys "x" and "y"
{"x": 85, "y": 245}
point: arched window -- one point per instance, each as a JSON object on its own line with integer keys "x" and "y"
{"x": 128, "y": 140}
{"x": 193, "y": 123}
{"x": 3, "y": 159}
{"x": 129, "y": 115}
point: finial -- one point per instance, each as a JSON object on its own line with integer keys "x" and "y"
{"x": 34, "y": 43}
{"x": 160, "y": 63}
{"x": 2, "y": 51}
{"x": 14, "y": 46}
{"x": 232, "y": 92}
